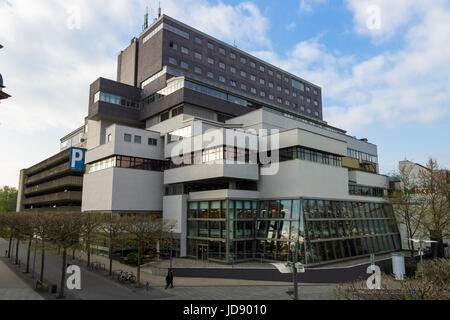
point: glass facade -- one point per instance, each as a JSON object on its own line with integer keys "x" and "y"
{"x": 315, "y": 230}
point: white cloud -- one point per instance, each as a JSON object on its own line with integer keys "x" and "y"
{"x": 291, "y": 26}
{"x": 409, "y": 84}
{"x": 394, "y": 16}
{"x": 306, "y": 6}
{"x": 48, "y": 67}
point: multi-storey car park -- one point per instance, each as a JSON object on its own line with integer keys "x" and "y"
{"x": 178, "y": 87}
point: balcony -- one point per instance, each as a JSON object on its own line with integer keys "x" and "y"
{"x": 68, "y": 181}
{"x": 69, "y": 196}
{"x": 205, "y": 171}
{"x": 58, "y": 158}
{"x": 55, "y": 171}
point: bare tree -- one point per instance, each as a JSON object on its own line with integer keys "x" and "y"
{"x": 6, "y": 230}
{"x": 91, "y": 221}
{"x": 65, "y": 230}
{"x": 435, "y": 185}
{"x": 112, "y": 228}
{"x": 143, "y": 230}
{"x": 408, "y": 207}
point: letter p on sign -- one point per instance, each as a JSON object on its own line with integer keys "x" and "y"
{"x": 76, "y": 158}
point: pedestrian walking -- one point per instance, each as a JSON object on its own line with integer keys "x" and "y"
{"x": 147, "y": 285}
{"x": 6, "y": 253}
{"x": 169, "y": 279}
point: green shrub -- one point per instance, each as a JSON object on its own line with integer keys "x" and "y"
{"x": 410, "y": 270}
{"x": 132, "y": 259}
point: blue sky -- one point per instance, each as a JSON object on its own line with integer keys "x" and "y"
{"x": 383, "y": 65}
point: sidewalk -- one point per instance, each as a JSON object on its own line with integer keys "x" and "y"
{"x": 156, "y": 276}
{"x": 14, "y": 288}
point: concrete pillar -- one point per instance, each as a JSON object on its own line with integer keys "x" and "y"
{"x": 20, "y": 197}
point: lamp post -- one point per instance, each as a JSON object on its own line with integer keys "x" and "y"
{"x": 420, "y": 241}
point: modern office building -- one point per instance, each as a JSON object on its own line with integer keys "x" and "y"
{"x": 234, "y": 150}
{"x": 180, "y": 92}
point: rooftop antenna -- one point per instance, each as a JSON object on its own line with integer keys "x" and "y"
{"x": 145, "y": 26}
{"x": 234, "y": 43}
{"x": 159, "y": 10}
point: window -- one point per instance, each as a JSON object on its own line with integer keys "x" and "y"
{"x": 287, "y": 102}
{"x": 278, "y": 76}
{"x": 270, "y": 72}
{"x": 261, "y": 68}
{"x": 279, "y": 100}
{"x": 298, "y": 85}
{"x": 270, "y": 85}
{"x": 177, "y": 111}
{"x": 315, "y": 91}
{"x": 316, "y": 113}
{"x": 253, "y": 90}
{"x": 109, "y": 137}
{"x": 184, "y": 65}
{"x": 137, "y": 139}
{"x": 294, "y": 105}
{"x": 232, "y": 55}
{"x": 286, "y": 91}
{"x": 221, "y": 78}
{"x": 198, "y": 55}
{"x": 271, "y": 97}
{"x": 294, "y": 94}
{"x": 233, "y": 83}
{"x": 210, "y": 60}
{"x": 198, "y": 40}
{"x": 252, "y": 77}
{"x": 308, "y": 110}
{"x": 172, "y": 61}
{"x": 302, "y": 108}
{"x": 308, "y": 100}
{"x": 252, "y": 64}
{"x": 210, "y": 75}
{"x": 152, "y": 142}
{"x": 184, "y": 50}
{"x": 233, "y": 69}
{"x": 286, "y": 79}
{"x": 173, "y": 45}
{"x": 210, "y": 46}
{"x": 307, "y": 89}
{"x": 243, "y": 60}
{"x": 262, "y": 94}
{"x": 164, "y": 116}
{"x": 221, "y": 65}
{"x": 243, "y": 86}
{"x": 198, "y": 70}
{"x": 222, "y": 51}
{"x": 278, "y": 88}
{"x": 316, "y": 103}
{"x": 262, "y": 81}
{"x": 127, "y": 137}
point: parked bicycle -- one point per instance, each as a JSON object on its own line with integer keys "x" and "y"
{"x": 125, "y": 276}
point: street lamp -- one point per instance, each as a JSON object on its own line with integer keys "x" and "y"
{"x": 421, "y": 241}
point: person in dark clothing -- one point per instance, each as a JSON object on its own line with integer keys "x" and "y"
{"x": 169, "y": 279}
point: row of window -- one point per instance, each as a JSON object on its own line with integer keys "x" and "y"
{"x": 328, "y": 229}
{"x": 357, "y": 190}
{"x": 340, "y": 249}
{"x": 127, "y": 162}
{"x": 361, "y": 156}
{"x": 324, "y": 209}
{"x": 243, "y": 86}
{"x": 137, "y": 139}
{"x": 297, "y": 152}
{"x": 295, "y": 83}
{"x": 115, "y": 99}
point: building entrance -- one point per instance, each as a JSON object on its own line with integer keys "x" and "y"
{"x": 202, "y": 251}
